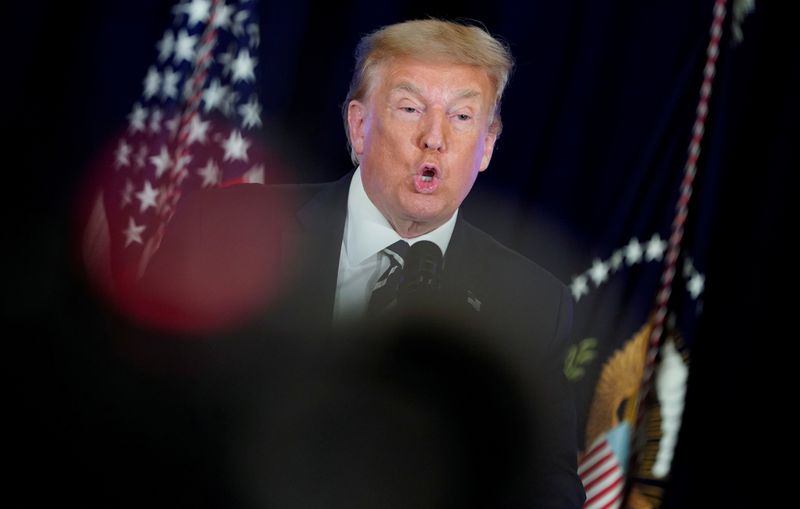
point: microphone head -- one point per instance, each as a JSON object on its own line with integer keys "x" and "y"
{"x": 422, "y": 270}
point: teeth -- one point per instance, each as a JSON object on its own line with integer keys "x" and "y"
{"x": 427, "y": 178}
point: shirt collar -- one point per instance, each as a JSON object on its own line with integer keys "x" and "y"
{"x": 367, "y": 232}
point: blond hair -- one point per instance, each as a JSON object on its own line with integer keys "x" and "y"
{"x": 430, "y": 40}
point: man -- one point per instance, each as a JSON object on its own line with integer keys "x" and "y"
{"x": 421, "y": 127}
{"x": 422, "y": 118}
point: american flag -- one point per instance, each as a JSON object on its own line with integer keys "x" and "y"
{"x": 192, "y": 127}
{"x": 602, "y": 475}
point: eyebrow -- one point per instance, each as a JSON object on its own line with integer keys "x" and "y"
{"x": 413, "y": 89}
{"x": 408, "y": 87}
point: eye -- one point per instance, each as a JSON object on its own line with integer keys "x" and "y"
{"x": 408, "y": 109}
{"x": 463, "y": 117}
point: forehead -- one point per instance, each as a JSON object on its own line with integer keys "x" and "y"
{"x": 435, "y": 79}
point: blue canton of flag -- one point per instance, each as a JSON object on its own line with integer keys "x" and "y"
{"x": 192, "y": 127}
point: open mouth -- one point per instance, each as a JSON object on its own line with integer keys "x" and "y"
{"x": 427, "y": 178}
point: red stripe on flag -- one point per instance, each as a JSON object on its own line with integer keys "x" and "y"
{"x": 599, "y": 446}
{"x": 597, "y": 465}
{"x": 604, "y": 492}
{"x": 612, "y": 469}
{"x": 614, "y": 502}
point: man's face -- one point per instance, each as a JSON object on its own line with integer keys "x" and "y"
{"x": 422, "y": 135}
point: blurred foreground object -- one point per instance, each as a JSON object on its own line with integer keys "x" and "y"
{"x": 415, "y": 409}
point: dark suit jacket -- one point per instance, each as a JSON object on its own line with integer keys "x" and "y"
{"x": 276, "y": 248}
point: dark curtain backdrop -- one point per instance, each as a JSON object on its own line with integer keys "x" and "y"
{"x": 603, "y": 96}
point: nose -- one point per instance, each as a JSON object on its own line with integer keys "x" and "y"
{"x": 433, "y": 132}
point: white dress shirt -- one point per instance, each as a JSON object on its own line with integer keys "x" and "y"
{"x": 361, "y": 263}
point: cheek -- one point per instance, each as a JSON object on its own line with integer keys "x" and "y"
{"x": 376, "y": 135}
{"x": 476, "y": 153}
{"x": 389, "y": 141}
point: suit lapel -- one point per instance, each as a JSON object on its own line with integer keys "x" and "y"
{"x": 464, "y": 268}
{"x": 319, "y": 243}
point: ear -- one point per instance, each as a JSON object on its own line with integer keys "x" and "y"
{"x": 488, "y": 147}
{"x": 356, "y": 125}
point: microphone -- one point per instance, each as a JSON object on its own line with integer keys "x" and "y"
{"x": 422, "y": 269}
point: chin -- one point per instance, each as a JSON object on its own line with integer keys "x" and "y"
{"x": 424, "y": 217}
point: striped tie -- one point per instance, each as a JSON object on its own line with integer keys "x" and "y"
{"x": 384, "y": 293}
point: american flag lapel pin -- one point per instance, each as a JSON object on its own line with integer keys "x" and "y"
{"x": 473, "y": 301}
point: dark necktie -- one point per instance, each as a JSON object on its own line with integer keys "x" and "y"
{"x": 384, "y": 293}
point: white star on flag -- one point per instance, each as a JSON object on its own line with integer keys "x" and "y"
{"x": 214, "y": 95}
{"x": 147, "y": 197}
{"x": 210, "y": 173}
{"x": 198, "y": 130}
{"x": 169, "y": 84}
{"x": 243, "y": 67}
{"x": 165, "y": 46}
{"x": 162, "y": 161}
{"x": 196, "y": 10}
{"x": 254, "y": 175}
{"x": 136, "y": 118}
{"x": 655, "y": 248}
{"x": 122, "y": 155}
{"x": 598, "y": 272}
{"x": 226, "y": 59}
{"x": 696, "y": 284}
{"x": 133, "y": 233}
{"x": 155, "y": 121}
{"x": 152, "y": 83}
{"x": 222, "y": 16}
{"x": 633, "y": 252}
{"x": 579, "y": 287}
{"x": 184, "y": 47}
{"x": 229, "y": 102}
{"x": 238, "y": 23}
{"x": 235, "y": 147}
{"x": 255, "y": 35}
{"x": 251, "y": 113}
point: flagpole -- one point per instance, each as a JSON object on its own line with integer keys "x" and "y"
{"x": 208, "y": 41}
{"x": 681, "y": 213}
